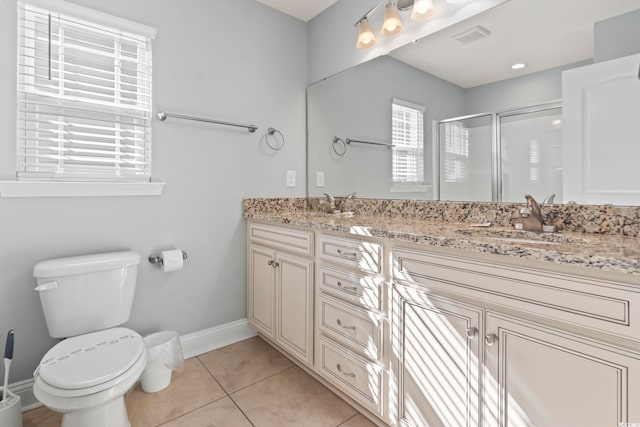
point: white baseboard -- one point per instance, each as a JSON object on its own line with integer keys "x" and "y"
{"x": 24, "y": 389}
{"x": 193, "y": 344}
{"x": 200, "y": 342}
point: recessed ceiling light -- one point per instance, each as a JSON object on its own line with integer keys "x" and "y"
{"x": 556, "y": 122}
{"x": 518, "y": 66}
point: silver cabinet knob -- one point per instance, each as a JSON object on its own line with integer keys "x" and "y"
{"x": 345, "y": 373}
{"x": 490, "y": 339}
{"x": 275, "y": 264}
{"x": 350, "y": 254}
{"x": 270, "y": 262}
{"x": 472, "y": 332}
{"x": 342, "y": 325}
{"x": 346, "y": 288}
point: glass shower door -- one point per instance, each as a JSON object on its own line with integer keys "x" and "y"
{"x": 465, "y": 152}
{"x": 531, "y": 153}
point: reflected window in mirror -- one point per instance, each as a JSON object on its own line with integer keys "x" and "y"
{"x": 456, "y": 151}
{"x": 407, "y": 128}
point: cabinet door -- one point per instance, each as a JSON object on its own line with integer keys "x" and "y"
{"x": 295, "y": 314}
{"x": 543, "y": 377}
{"x": 437, "y": 358}
{"x": 261, "y": 291}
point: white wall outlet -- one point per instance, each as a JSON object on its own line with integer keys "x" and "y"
{"x": 291, "y": 178}
{"x": 320, "y": 179}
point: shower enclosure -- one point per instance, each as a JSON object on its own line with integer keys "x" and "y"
{"x": 500, "y": 156}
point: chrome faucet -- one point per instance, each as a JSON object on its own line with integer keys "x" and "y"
{"x": 329, "y": 202}
{"x": 549, "y": 199}
{"x": 531, "y": 215}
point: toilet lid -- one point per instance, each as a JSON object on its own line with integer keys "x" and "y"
{"x": 91, "y": 359}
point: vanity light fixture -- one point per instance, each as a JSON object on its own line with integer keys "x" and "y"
{"x": 518, "y": 66}
{"x": 391, "y": 24}
{"x": 421, "y": 9}
{"x": 366, "y": 38}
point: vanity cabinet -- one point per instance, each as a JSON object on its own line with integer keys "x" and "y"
{"x": 474, "y": 345}
{"x": 437, "y": 359}
{"x": 280, "y": 287}
{"x": 542, "y": 376}
{"x": 350, "y": 322}
{"x": 418, "y": 336}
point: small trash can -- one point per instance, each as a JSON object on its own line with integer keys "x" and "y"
{"x": 164, "y": 354}
{"x": 10, "y": 410}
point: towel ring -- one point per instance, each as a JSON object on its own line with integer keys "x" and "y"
{"x": 271, "y": 132}
{"x": 336, "y": 143}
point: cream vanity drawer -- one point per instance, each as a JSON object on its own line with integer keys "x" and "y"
{"x": 284, "y": 238}
{"x": 360, "y": 378}
{"x": 363, "y": 255}
{"x": 350, "y": 326}
{"x": 606, "y": 306}
{"x": 358, "y": 289}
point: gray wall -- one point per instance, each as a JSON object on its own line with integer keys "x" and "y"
{"x": 235, "y": 60}
{"x": 617, "y": 37}
{"x": 357, "y": 104}
{"x": 518, "y": 92}
{"x": 332, "y": 39}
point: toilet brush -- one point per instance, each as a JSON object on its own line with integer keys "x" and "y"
{"x": 8, "y": 356}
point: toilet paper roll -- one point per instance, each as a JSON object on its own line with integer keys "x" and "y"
{"x": 172, "y": 260}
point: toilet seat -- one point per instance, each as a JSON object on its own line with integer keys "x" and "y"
{"x": 90, "y": 363}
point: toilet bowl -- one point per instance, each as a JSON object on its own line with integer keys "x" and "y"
{"x": 85, "y": 299}
{"x": 85, "y": 377}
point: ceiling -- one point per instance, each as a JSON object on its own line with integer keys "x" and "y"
{"x": 304, "y": 10}
{"x": 540, "y": 33}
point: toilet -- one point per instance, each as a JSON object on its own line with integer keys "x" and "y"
{"x": 85, "y": 376}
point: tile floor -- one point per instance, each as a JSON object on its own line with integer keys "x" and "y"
{"x": 245, "y": 384}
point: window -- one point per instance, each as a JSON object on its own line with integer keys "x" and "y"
{"x": 407, "y": 127}
{"x": 84, "y": 95}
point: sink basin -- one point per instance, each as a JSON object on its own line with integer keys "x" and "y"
{"x": 519, "y": 236}
{"x": 527, "y": 241}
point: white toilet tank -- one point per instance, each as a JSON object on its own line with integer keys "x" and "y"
{"x": 86, "y": 293}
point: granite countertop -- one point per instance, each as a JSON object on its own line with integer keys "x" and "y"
{"x": 615, "y": 253}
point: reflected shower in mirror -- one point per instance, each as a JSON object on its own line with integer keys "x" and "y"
{"x": 530, "y": 153}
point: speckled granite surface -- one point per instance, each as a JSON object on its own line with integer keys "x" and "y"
{"x": 602, "y": 238}
{"x": 623, "y": 220}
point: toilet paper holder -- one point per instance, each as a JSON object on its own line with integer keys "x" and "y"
{"x": 157, "y": 259}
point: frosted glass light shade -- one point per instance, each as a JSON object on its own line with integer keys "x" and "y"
{"x": 391, "y": 24}
{"x": 422, "y": 9}
{"x": 366, "y": 38}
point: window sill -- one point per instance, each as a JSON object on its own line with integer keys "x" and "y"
{"x": 78, "y": 189}
{"x": 410, "y": 188}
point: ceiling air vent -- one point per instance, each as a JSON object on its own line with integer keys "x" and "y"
{"x": 471, "y": 35}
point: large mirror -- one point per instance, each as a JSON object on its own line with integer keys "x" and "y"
{"x": 447, "y": 118}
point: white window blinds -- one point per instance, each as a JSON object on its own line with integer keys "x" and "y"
{"x": 407, "y": 127}
{"x": 84, "y": 98}
{"x": 456, "y": 151}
